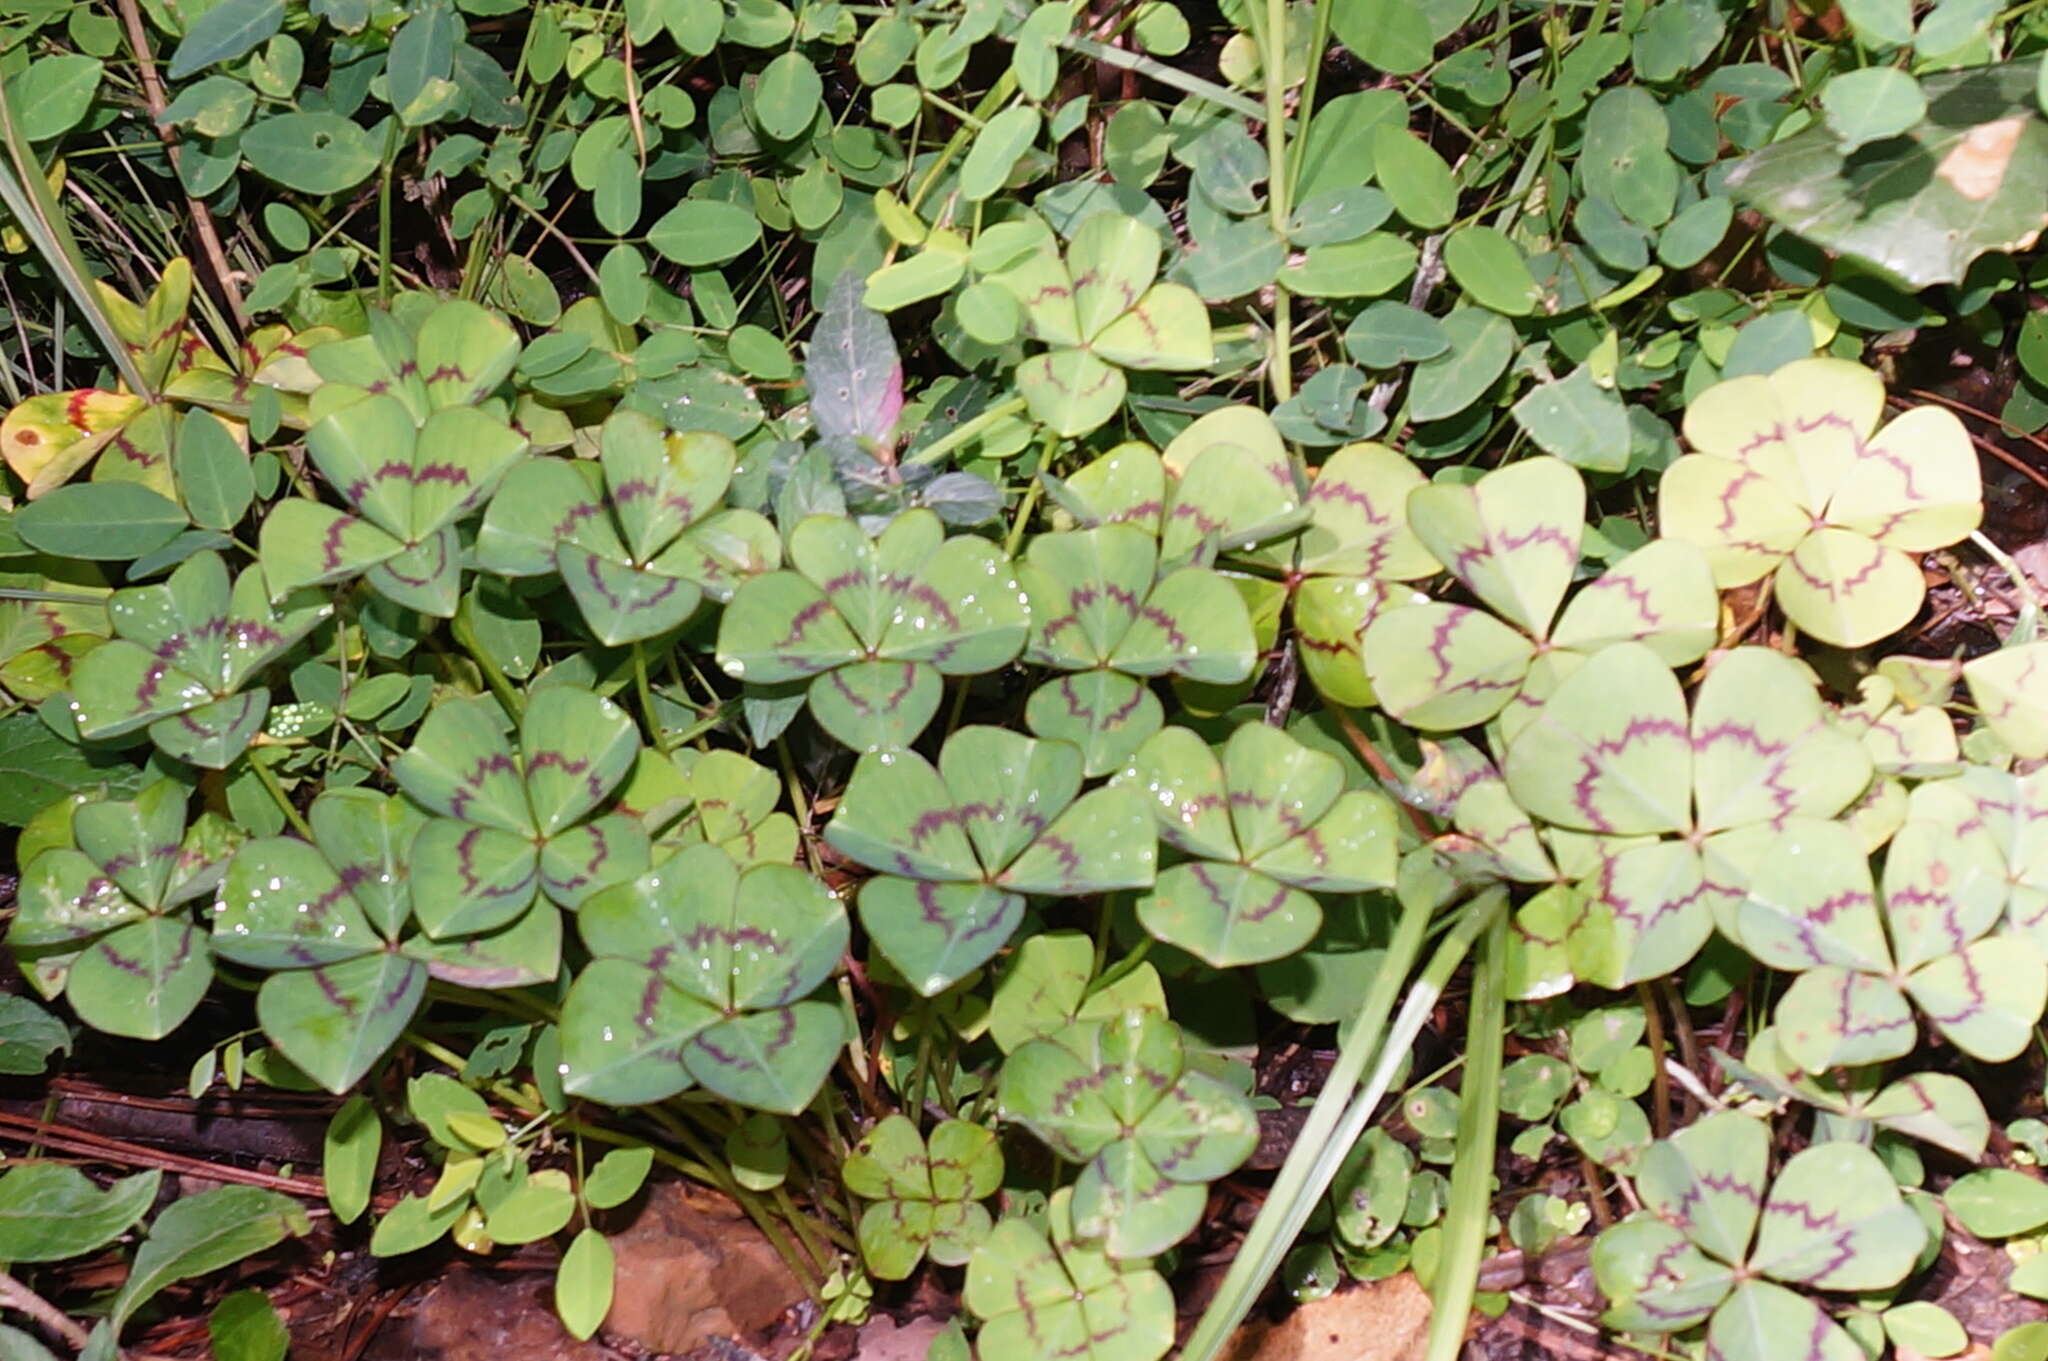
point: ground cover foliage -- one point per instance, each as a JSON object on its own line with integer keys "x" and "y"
{"x": 885, "y": 606}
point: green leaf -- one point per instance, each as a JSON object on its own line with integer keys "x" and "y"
{"x": 993, "y": 153}
{"x": 1579, "y": 421}
{"x": 769, "y": 1060}
{"x": 532, "y": 1212}
{"x": 1394, "y": 37}
{"x": 100, "y": 521}
{"x": 1880, "y": 23}
{"x": 224, "y": 32}
{"x": 786, "y": 100}
{"x": 1872, "y": 104}
{"x": 1481, "y": 344}
{"x": 935, "y": 934}
{"x": 203, "y": 1233}
{"x": 1362, "y": 268}
{"x": 336, "y": 1021}
{"x": 53, "y": 93}
{"x": 314, "y": 153}
{"x": 1071, "y": 392}
{"x": 1106, "y": 714}
{"x": 355, "y": 1137}
{"x": 245, "y": 1327}
{"x": 1926, "y": 1328}
{"x": 50, "y": 1212}
{"x": 618, "y": 1177}
{"x": 410, "y": 1225}
{"x": 422, "y": 55}
{"x": 1919, "y": 207}
{"x": 212, "y": 471}
{"x": 1760, "y": 1315}
{"x": 1625, "y": 158}
{"x": 141, "y": 980}
{"x": 1835, "y": 1221}
{"x": 1043, "y": 1299}
{"x": 28, "y": 1036}
{"x": 1998, "y": 1202}
{"x": 2008, "y": 690}
{"x": 1512, "y": 537}
{"x": 869, "y": 706}
{"x": 623, "y": 1031}
{"x": 583, "y": 1284}
{"x": 1228, "y": 915}
{"x": 1411, "y": 173}
{"x": 700, "y": 232}
{"x": 1791, "y": 479}
{"x": 37, "y": 767}
{"x": 851, "y": 365}
{"x": 1489, "y": 267}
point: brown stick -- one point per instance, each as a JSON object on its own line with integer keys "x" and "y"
{"x": 15, "y": 1295}
{"x": 136, "y": 1155}
{"x": 2010, "y": 460}
{"x": 202, "y": 219}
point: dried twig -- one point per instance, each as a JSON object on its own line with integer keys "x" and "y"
{"x": 15, "y": 1295}
{"x": 202, "y": 218}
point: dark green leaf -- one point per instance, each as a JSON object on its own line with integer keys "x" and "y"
{"x": 100, "y": 521}
{"x": 28, "y": 1036}
{"x": 50, "y": 1211}
{"x": 204, "y": 1233}
{"x": 704, "y": 232}
{"x": 53, "y": 94}
{"x": 314, "y": 153}
{"x": 225, "y": 32}
{"x": 244, "y": 1327}
{"x": 37, "y": 767}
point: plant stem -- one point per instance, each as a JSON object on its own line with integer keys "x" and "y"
{"x": 1273, "y": 66}
{"x": 494, "y": 675}
{"x": 1464, "y": 1229}
{"x": 384, "y": 216}
{"x": 1333, "y": 1127}
{"x": 997, "y": 96}
{"x": 15, "y": 1295}
{"x": 202, "y": 218}
{"x": 268, "y": 778}
{"x": 1153, "y": 69}
{"x": 953, "y": 439}
{"x": 655, "y": 731}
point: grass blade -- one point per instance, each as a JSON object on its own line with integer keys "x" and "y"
{"x": 1464, "y": 1228}
{"x": 1337, "y": 1121}
{"x": 36, "y": 211}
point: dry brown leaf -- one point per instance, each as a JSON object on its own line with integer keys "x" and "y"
{"x": 1374, "y": 1321}
{"x": 1975, "y": 167}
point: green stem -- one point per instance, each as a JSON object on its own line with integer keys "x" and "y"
{"x": 1023, "y": 521}
{"x": 997, "y": 96}
{"x": 1464, "y": 1229}
{"x": 1154, "y": 69}
{"x": 268, "y": 778}
{"x": 1272, "y": 38}
{"x": 494, "y": 675}
{"x": 1333, "y": 1126}
{"x": 655, "y": 731}
{"x": 953, "y": 439}
{"x": 1318, "y": 43}
{"x": 384, "y": 216}
{"x": 722, "y": 1179}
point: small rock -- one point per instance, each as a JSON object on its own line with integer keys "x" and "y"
{"x": 883, "y": 1339}
{"x": 1373, "y": 1321}
{"x": 691, "y": 1268}
{"x": 471, "y": 1316}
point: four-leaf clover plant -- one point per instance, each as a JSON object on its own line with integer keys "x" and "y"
{"x": 1718, "y": 1241}
{"x": 1119, "y": 1097}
